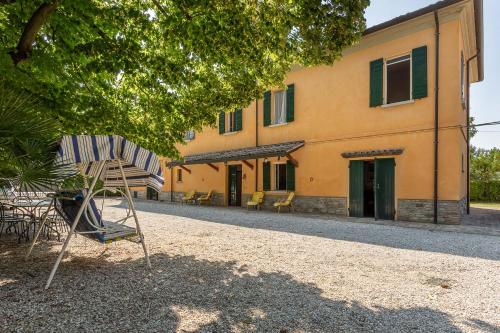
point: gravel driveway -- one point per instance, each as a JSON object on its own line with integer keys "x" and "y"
{"x": 229, "y": 270}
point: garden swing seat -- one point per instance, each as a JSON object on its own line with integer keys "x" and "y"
{"x": 118, "y": 164}
{"x": 91, "y": 224}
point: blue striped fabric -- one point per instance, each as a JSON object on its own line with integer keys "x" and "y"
{"x": 142, "y": 167}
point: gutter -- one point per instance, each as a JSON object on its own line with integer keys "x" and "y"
{"x": 256, "y": 143}
{"x": 436, "y": 121}
{"x": 467, "y": 122}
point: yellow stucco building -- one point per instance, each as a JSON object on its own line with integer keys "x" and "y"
{"x": 357, "y": 138}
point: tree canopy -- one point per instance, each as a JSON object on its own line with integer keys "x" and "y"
{"x": 151, "y": 69}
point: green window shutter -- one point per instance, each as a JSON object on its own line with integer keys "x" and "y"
{"x": 222, "y": 122}
{"x": 290, "y": 176}
{"x": 356, "y": 188}
{"x": 239, "y": 119}
{"x": 376, "y": 82}
{"x": 266, "y": 176}
{"x": 267, "y": 108}
{"x": 290, "y": 103}
{"x": 419, "y": 72}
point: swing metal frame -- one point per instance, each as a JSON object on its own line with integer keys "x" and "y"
{"x": 83, "y": 210}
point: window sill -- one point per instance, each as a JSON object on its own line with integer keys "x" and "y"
{"x": 230, "y": 133}
{"x": 278, "y": 124}
{"x": 277, "y": 192}
{"x": 398, "y": 103}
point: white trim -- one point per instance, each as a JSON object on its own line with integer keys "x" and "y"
{"x": 410, "y": 101}
{"x": 278, "y": 124}
{"x": 230, "y": 133}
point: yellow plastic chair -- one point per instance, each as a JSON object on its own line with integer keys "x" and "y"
{"x": 205, "y": 198}
{"x": 189, "y": 196}
{"x": 285, "y": 203}
{"x": 256, "y": 200}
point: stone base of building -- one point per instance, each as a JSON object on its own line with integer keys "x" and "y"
{"x": 217, "y": 198}
{"x": 413, "y": 210}
{"x": 305, "y": 204}
{"x": 422, "y": 210}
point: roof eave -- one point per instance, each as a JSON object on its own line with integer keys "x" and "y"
{"x": 478, "y": 18}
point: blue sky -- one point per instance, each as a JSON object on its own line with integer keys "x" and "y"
{"x": 485, "y": 96}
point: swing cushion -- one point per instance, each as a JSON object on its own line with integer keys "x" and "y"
{"x": 68, "y": 204}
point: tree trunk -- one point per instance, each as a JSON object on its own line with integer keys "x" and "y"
{"x": 31, "y": 30}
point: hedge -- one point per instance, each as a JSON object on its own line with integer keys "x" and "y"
{"x": 485, "y": 191}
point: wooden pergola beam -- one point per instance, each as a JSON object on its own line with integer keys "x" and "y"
{"x": 248, "y": 164}
{"x": 213, "y": 166}
{"x": 293, "y": 160}
{"x": 184, "y": 168}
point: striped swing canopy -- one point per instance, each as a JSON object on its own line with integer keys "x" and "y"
{"x": 141, "y": 166}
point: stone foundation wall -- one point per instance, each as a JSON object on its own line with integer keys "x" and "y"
{"x": 305, "y": 204}
{"x": 416, "y": 210}
{"x": 217, "y": 198}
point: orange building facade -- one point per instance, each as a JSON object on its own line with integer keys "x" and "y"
{"x": 357, "y": 138}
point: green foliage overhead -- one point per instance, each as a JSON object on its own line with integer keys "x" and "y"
{"x": 150, "y": 70}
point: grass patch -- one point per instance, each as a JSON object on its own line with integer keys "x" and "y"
{"x": 485, "y": 204}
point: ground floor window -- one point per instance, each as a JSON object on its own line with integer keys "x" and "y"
{"x": 179, "y": 175}
{"x": 280, "y": 177}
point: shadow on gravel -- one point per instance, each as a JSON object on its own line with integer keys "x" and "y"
{"x": 184, "y": 294}
{"x": 467, "y": 245}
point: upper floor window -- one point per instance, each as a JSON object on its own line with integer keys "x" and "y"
{"x": 279, "y": 106}
{"x": 279, "y": 114}
{"x": 189, "y": 135}
{"x": 230, "y": 121}
{"x": 398, "y": 79}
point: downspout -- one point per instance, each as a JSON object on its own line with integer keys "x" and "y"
{"x": 171, "y": 184}
{"x": 256, "y": 144}
{"x": 436, "y": 120}
{"x": 468, "y": 129}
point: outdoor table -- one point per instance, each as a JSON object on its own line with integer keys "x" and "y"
{"x": 38, "y": 211}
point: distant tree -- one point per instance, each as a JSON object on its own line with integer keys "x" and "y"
{"x": 151, "y": 69}
{"x": 485, "y": 170}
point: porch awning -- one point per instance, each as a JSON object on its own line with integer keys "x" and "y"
{"x": 373, "y": 153}
{"x": 249, "y": 153}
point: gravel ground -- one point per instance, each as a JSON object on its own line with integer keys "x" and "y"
{"x": 229, "y": 270}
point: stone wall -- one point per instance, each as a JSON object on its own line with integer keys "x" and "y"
{"x": 414, "y": 210}
{"x": 217, "y": 198}
{"x": 449, "y": 211}
{"x": 305, "y": 204}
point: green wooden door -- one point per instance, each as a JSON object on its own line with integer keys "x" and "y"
{"x": 234, "y": 185}
{"x": 151, "y": 194}
{"x": 356, "y": 181}
{"x": 384, "y": 188}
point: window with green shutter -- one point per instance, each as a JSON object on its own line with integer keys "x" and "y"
{"x": 376, "y": 82}
{"x": 267, "y": 108}
{"x": 266, "y": 176}
{"x": 399, "y": 79}
{"x": 222, "y": 122}
{"x": 419, "y": 72}
{"x": 290, "y": 176}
